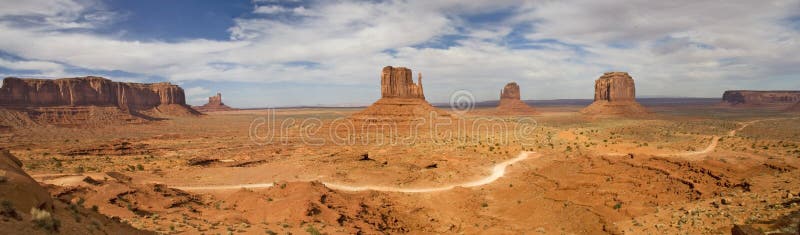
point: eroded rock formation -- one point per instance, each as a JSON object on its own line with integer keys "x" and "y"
{"x": 510, "y": 102}
{"x": 397, "y": 83}
{"x": 614, "y": 94}
{"x": 401, "y": 99}
{"x": 754, "y": 98}
{"x": 76, "y": 100}
{"x": 214, "y": 104}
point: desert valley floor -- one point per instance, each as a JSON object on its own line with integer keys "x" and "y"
{"x": 682, "y": 169}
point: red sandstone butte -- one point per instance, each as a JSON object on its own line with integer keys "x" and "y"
{"x": 510, "y": 103}
{"x": 614, "y": 94}
{"x": 759, "y": 98}
{"x": 75, "y": 100}
{"x": 214, "y": 104}
{"x": 401, "y": 99}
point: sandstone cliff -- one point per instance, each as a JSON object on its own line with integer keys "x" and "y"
{"x": 76, "y": 100}
{"x": 510, "y": 103}
{"x": 614, "y": 94}
{"x": 397, "y": 83}
{"x": 214, "y": 104}
{"x": 747, "y": 97}
{"x": 401, "y": 100}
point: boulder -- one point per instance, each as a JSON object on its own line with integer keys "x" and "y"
{"x": 510, "y": 103}
{"x": 214, "y": 104}
{"x": 757, "y": 98}
{"x": 614, "y": 94}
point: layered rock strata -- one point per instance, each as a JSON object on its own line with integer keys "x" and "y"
{"x": 614, "y": 94}
{"x": 83, "y": 99}
{"x": 755, "y": 98}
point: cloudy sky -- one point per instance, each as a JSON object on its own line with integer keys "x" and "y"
{"x": 262, "y": 53}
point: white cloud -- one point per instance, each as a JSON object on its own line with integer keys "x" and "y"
{"x": 682, "y": 48}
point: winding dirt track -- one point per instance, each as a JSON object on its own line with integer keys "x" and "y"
{"x": 498, "y": 171}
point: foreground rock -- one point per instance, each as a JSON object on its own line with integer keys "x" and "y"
{"x": 27, "y": 207}
{"x": 615, "y": 94}
{"x": 214, "y": 105}
{"x": 81, "y": 100}
{"x": 510, "y": 103}
{"x": 401, "y": 100}
{"x": 760, "y": 98}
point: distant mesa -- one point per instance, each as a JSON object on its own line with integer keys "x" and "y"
{"x": 760, "y": 98}
{"x": 510, "y": 103}
{"x": 795, "y": 107}
{"x": 214, "y": 104}
{"x": 401, "y": 99}
{"x": 81, "y": 100}
{"x": 615, "y": 95}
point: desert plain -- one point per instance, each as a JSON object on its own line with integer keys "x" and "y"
{"x": 682, "y": 169}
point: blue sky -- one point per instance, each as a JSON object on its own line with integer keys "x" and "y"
{"x": 266, "y": 53}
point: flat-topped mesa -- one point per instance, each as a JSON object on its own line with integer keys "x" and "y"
{"x": 749, "y": 97}
{"x": 614, "y": 94}
{"x": 510, "y": 103}
{"x": 795, "y": 108}
{"x": 397, "y": 83}
{"x": 214, "y": 104}
{"x": 401, "y": 100}
{"x": 85, "y": 100}
{"x": 88, "y": 91}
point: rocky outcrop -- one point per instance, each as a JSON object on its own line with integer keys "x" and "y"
{"x": 397, "y": 83}
{"x": 510, "y": 103}
{"x": 755, "y": 98}
{"x": 214, "y": 104}
{"x": 401, "y": 100}
{"x": 614, "y": 94}
{"x": 83, "y": 98}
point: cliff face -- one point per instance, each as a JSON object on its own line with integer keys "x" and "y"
{"x": 87, "y": 100}
{"x": 614, "y": 94}
{"x": 745, "y": 97}
{"x": 614, "y": 86}
{"x": 88, "y": 91}
{"x": 397, "y": 83}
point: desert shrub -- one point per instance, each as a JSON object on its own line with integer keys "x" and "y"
{"x": 139, "y": 167}
{"x": 7, "y": 210}
{"x": 3, "y": 177}
{"x": 44, "y": 220}
{"x": 79, "y": 169}
{"x": 313, "y": 231}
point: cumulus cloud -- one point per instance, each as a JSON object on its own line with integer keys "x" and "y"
{"x": 553, "y": 49}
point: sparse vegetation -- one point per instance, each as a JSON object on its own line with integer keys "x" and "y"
{"x": 42, "y": 219}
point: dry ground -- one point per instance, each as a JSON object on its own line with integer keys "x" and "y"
{"x": 679, "y": 170}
